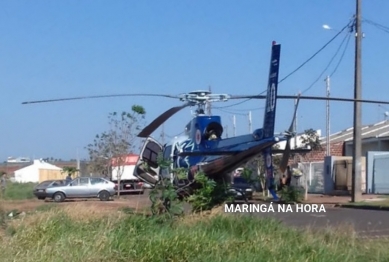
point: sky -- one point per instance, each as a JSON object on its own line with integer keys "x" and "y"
{"x": 56, "y": 49}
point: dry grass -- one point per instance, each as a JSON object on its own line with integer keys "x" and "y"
{"x": 86, "y": 231}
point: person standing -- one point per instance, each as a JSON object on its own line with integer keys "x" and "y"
{"x": 68, "y": 179}
{"x": 3, "y": 184}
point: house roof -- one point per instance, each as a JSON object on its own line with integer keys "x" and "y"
{"x": 377, "y": 130}
{"x": 39, "y": 164}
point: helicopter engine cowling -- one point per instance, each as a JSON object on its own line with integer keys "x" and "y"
{"x": 205, "y": 128}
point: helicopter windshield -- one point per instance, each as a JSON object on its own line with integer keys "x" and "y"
{"x": 166, "y": 157}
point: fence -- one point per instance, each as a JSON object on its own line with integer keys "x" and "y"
{"x": 313, "y": 176}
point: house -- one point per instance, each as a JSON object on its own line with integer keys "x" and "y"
{"x": 38, "y": 171}
{"x": 375, "y": 137}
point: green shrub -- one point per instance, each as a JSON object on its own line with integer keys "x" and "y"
{"x": 19, "y": 191}
{"x": 292, "y": 194}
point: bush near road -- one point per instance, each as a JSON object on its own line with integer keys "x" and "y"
{"x": 19, "y": 191}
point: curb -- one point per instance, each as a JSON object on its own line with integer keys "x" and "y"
{"x": 366, "y": 207}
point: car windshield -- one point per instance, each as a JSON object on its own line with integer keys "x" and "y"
{"x": 59, "y": 183}
{"x": 239, "y": 180}
{"x": 45, "y": 183}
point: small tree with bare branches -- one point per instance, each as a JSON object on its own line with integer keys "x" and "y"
{"x": 120, "y": 140}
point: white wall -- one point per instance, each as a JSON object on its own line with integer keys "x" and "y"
{"x": 27, "y": 174}
{"x": 298, "y": 141}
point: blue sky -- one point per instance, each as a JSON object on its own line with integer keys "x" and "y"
{"x": 52, "y": 49}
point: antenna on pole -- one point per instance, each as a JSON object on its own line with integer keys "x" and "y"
{"x": 209, "y": 103}
{"x": 250, "y": 123}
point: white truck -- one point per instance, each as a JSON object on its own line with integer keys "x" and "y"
{"x": 128, "y": 182}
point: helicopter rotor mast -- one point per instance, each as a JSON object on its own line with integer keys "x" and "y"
{"x": 201, "y": 97}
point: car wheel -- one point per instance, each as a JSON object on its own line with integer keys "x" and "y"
{"x": 104, "y": 195}
{"x": 59, "y": 197}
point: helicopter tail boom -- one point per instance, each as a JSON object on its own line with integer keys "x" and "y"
{"x": 270, "y": 113}
{"x": 271, "y": 97}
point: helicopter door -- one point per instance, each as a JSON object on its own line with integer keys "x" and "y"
{"x": 147, "y": 168}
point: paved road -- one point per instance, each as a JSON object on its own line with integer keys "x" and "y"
{"x": 366, "y": 223}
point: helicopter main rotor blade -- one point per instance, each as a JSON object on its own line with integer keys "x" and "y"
{"x": 148, "y": 130}
{"x": 97, "y": 96}
{"x": 310, "y": 98}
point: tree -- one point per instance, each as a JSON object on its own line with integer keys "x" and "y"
{"x": 120, "y": 140}
{"x": 311, "y": 138}
{"x": 258, "y": 165}
{"x": 70, "y": 170}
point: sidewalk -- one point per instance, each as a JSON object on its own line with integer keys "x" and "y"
{"x": 327, "y": 199}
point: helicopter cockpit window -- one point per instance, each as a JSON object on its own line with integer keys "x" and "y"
{"x": 213, "y": 131}
{"x": 166, "y": 152}
{"x": 166, "y": 156}
{"x": 150, "y": 154}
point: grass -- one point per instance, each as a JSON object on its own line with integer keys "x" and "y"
{"x": 19, "y": 191}
{"x": 82, "y": 232}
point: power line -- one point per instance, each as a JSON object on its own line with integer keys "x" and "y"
{"x": 250, "y": 109}
{"x": 341, "y": 57}
{"x": 230, "y": 112}
{"x": 321, "y": 49}
{"x": 299, "y": 67}
{"x": 328, "y": 65}
{"x": 377, "y": 25}
{"x": 241, "y": 102}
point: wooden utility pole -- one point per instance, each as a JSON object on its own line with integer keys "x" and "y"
{"x": 357, "y": 140}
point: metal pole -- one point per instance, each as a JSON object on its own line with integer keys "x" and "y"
{"x": 295, "y": 125}
{"x": 328, "y": 145}
{"x": 234, "y": 124}
{"x": 209, "y": 103}
{"x": 78, "y": 164}
{"x": 357, "y": 143}
{"x": 250, "y": 125}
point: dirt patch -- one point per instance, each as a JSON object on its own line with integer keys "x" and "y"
{"x": 132, "y": 201}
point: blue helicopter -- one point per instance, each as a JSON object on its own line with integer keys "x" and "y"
{"x": 202, "y": 147}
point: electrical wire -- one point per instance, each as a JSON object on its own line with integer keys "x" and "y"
{"x": 328, "y": 65}
{"x": 321, "y": 49}
{"x": 232, "y": 113}
{"x": 341, "y": 57}
{"x": 238, "y": 103}
{"x": 299, "y": 67}
{"x": 379, "y": 26}
{"x": 241, "y": 102}
{"x": 250, "y": 109}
